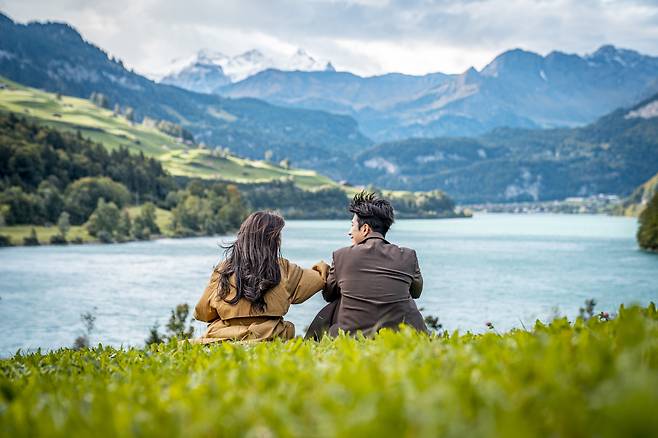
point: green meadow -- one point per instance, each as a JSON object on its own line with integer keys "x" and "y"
{"x": 16, "y": 233}
{"x": 593, "y": 377}
{"x": 112, "y": 130}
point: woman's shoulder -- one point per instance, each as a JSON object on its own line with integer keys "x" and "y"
{"x": 285, "y": 264}
{"x": 289, "y": 268}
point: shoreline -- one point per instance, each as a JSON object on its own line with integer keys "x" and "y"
{"x": 86, "y": 240}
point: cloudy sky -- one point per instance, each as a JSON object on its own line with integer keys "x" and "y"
{"x": 363, "y": 36}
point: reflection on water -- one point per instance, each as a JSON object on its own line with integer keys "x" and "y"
{"x": 508, "y": 269}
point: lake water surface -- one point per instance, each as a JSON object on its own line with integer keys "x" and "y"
{"x": 507, "y": 269}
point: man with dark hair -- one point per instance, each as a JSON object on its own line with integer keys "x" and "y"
{"x": 372, "y": 284}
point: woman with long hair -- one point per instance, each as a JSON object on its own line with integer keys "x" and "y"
{"x": 251, "y": 290}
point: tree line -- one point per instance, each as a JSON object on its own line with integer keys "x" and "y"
{"x": 331, "y": 202}
{"x": 51, "y": 177}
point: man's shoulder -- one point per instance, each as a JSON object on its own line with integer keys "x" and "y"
{"x": 403, "y": 250}
{"x": 409, "y": 251}
{"x": 340, "y": 252}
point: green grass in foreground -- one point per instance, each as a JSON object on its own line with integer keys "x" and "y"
{"x": 591, "y": 378}
{"x": 101, "y": 125}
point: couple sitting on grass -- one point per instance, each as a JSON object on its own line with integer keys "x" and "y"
{"x": 371, "y": 284}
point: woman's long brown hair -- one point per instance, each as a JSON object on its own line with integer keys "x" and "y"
{"x": 254, "y": 259}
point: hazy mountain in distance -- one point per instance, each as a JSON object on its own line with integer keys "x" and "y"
{"x": 614, "y": 155}
{"x": 517, "y": 89}
{"x": 208, "y": 70}
{"x": 334, "y": 91}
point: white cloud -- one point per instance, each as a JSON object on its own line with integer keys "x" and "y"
{"x": 363, "y": 36}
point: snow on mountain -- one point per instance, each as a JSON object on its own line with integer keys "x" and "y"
{"x": 196, "y": 72}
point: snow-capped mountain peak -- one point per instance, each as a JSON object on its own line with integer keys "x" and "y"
{"x": 206, "y": 56}
{"x": 184, "y": 71}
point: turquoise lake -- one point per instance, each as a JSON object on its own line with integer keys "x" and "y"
{"x": 506, "y": 269}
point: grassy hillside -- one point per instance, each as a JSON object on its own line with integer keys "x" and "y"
{"x": 588, "y": 378}
{"x": 102, "y": 125}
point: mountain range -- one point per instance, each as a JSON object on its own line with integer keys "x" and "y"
{"x": 517, "y": 89}
{"x": 55, "y": 57}
{"x": 540, "y": 127}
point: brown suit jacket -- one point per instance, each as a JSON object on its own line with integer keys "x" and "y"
{"x": 376, "y": 282}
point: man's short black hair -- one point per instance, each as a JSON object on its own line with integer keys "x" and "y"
{"x": 376, "y": 212}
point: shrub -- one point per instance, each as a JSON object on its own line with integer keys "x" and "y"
{"x": 105, "y": 237}
{"x": 32, "y": 239}
{"x": 88, "y": 321}
{"x": 4, "y": 240}
{"x": 140, "y": 232}
{"x": 176, "y": 327}
{"x": 145, "y": 223}
{"x": 155, "y": 337}
{"x": 58, "y": 239}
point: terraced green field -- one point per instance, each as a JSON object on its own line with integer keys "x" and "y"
{"x": 103, "y": 126}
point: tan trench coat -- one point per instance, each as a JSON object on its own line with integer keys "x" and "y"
{"x": 239, "y": 322}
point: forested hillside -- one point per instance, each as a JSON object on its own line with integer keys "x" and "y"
{"x": 613, "y": 156}
{"x": 49, "y": 177}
